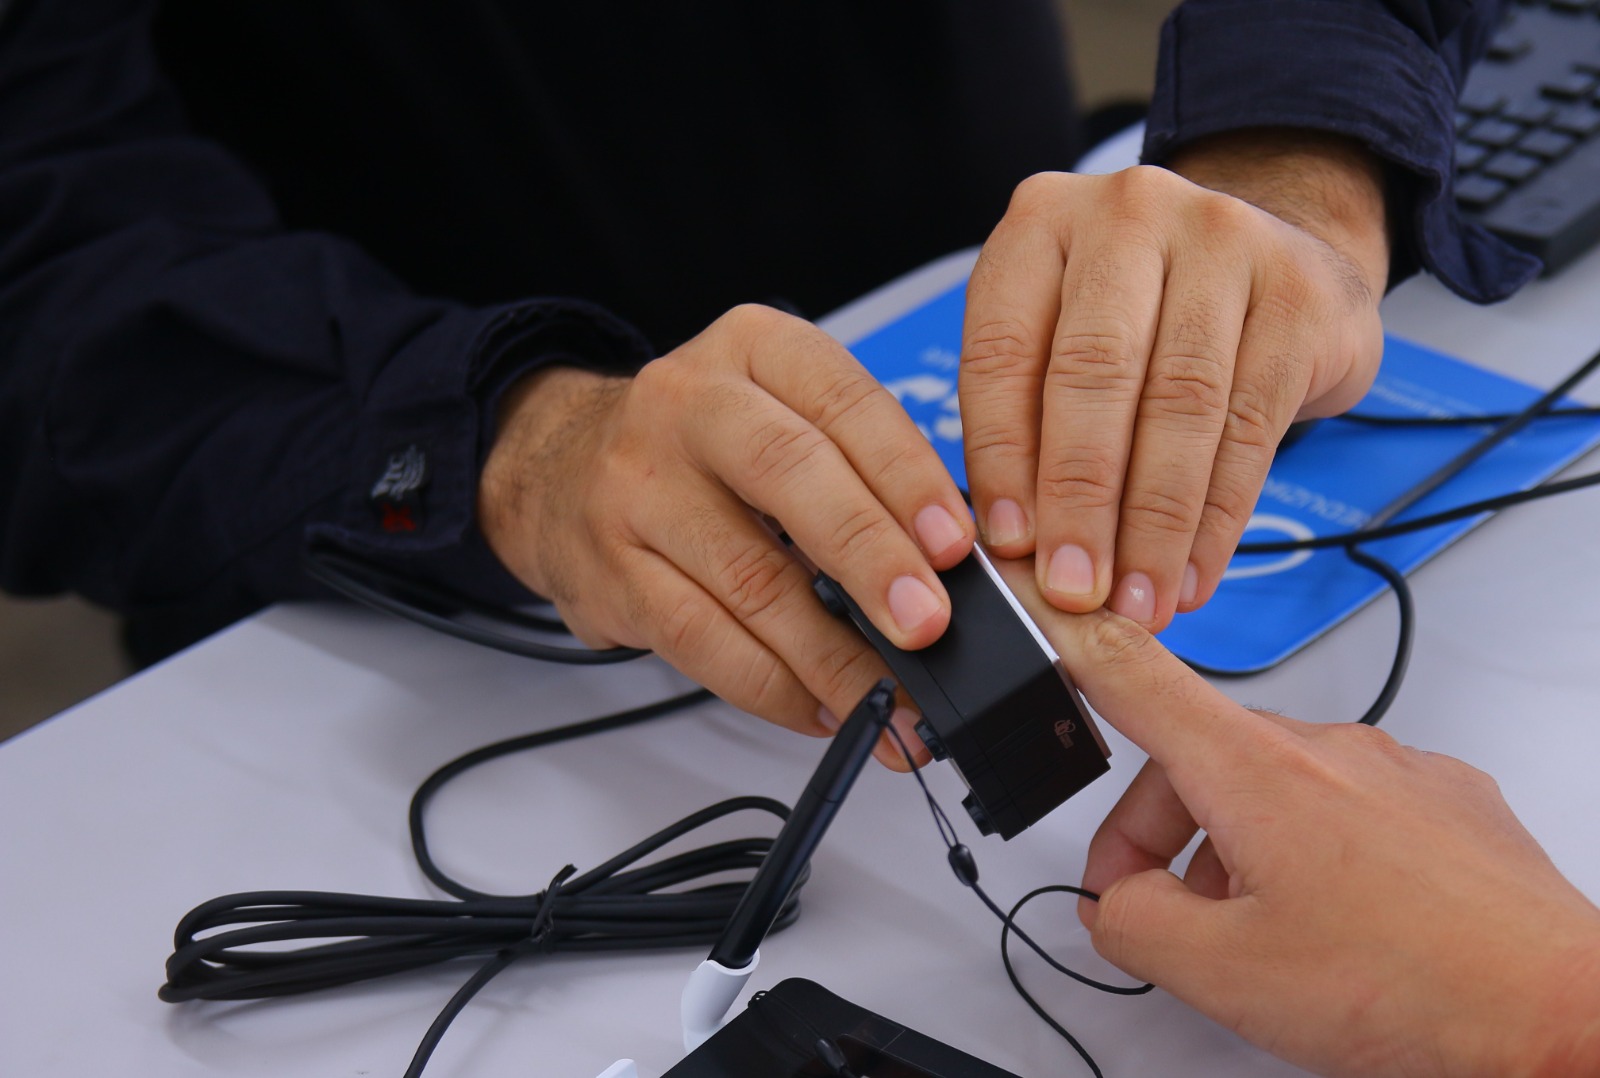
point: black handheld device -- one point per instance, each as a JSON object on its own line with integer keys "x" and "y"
{"x": 791, "y": 1031}
{"x": 995, "y": 700}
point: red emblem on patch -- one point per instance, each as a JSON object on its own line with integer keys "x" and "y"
{"x": 397, "y": 518}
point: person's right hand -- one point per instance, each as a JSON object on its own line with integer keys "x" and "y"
{"x": 636, "y": 505}
{"x": 1358, "y": 907}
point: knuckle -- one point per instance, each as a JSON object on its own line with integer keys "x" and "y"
{"x": 1229, "y": 503}
{"x": 779, "y": 447}
{"x": 836, "y": 395}
{"x": 755, "y": 580}
{"x": 1118, "y": 642}
{"x": 755, "y": 318}
{"x": 1221, "y": 215}
{"x": 1039, "y": 189}
{"x": 669, "y": 384}
{"x": 998, "y": 349}
{"x": 1084, "y": 481}
{"x": 1094, "y": 360}
{"x": 1143, "y": 189}
{"x": 1152, "y": 510}
{"x": 1255, "y": 420}
{"x": 1364, "y": 740}
{"x": 767, "y": 688}
{"x": 841, "y": 669}
{"x": 904, "y": 467}
{"x": 859, "y": 530}
{"x": 1003, "y": 438}
{"x": 684, "y": 626}
{"x": 1189, "y": 385}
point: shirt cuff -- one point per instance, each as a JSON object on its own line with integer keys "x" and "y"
{"x": 1345, "y": 69}
{"x": 411, "y": 505}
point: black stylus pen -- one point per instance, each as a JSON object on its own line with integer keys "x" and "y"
{"x": 716, "y": 982}
{"x": 803, "y": 830}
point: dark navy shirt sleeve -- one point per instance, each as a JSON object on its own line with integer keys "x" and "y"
{"x": 1385, "y": 72}
{"x": 188, "y": 391}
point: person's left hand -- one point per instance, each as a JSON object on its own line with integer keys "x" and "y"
{"x": 1136, "y": 345}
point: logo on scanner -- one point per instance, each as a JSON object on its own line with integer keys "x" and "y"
{"x": 1065, "y": 728}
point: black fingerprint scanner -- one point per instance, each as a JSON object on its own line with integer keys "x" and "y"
{"x": 996, "y": 700}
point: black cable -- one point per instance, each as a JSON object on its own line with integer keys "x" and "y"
{"x": 1509, "y": 424}
{"x": 436, "y": 608}
{"x": 1382, "y": 525}
{"x": 1432, "y": 520}
{"x": 1408, "y": 618}
{"x": 965, "y": 867}
{"x": 1503, "y": 432}
{"x": 523, "y": 743}
{"x": 543, "y": 917}
{"x": 232, "y": 947}
{"x": 1432, "y": 421}
{"x": 1016, "y": 982}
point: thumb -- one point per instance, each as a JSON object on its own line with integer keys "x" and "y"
{"x": 1151, "y": 926}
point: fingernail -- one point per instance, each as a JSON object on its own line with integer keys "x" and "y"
{"x": 828, "y": 719}
{"x": 911, "y": 602}
{"x": 1191, "y": 585}
{"x": 1007, "y": 523}
{"x": 937, "y": 530}
{"x": 1071, "y": 572}
{"x": 1135, "y": 598}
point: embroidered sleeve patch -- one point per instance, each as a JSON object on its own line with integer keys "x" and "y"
{"x": 396, "y": 497}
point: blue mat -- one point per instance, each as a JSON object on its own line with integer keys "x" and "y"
{"x": 1331, "y": 481}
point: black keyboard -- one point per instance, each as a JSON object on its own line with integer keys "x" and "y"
{"x": 1528, "y": 132}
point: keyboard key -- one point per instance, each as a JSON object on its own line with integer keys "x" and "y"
{"x": 1541, "y": 189}
{"x": 1557, "y": 215}
{"x": 1546, "y": 144}
{"x": 1514, "y": 167}
{"x": 1478, "y": 192}
{"x": 1481, "y": 101}
{"x": 1577, "y": 120}
{"x": 1533, "y": 112}
{"x": 1496, "y": 134}
{"x": 1573, "y": 87}
{"x": 1469, "y": 156}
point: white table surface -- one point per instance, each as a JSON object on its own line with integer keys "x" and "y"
{"x": 282, "y": 753}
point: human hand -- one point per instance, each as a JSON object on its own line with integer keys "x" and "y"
{"x": 1358, "y": 907}
{"x": 1136, "y": 345}
{"x": 636, "y": 505}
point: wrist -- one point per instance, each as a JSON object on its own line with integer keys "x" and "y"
{"x": 1326, "y": 185}
{"x": 543, "y": 426}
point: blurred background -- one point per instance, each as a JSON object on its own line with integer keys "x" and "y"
{"x": 54, "y": 653}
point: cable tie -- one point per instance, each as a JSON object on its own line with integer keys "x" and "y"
{"x": 543, "y": 932}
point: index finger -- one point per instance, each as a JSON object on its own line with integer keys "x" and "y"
{"x": 815, "y": 376}
{"x": 1140, "y": 687}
